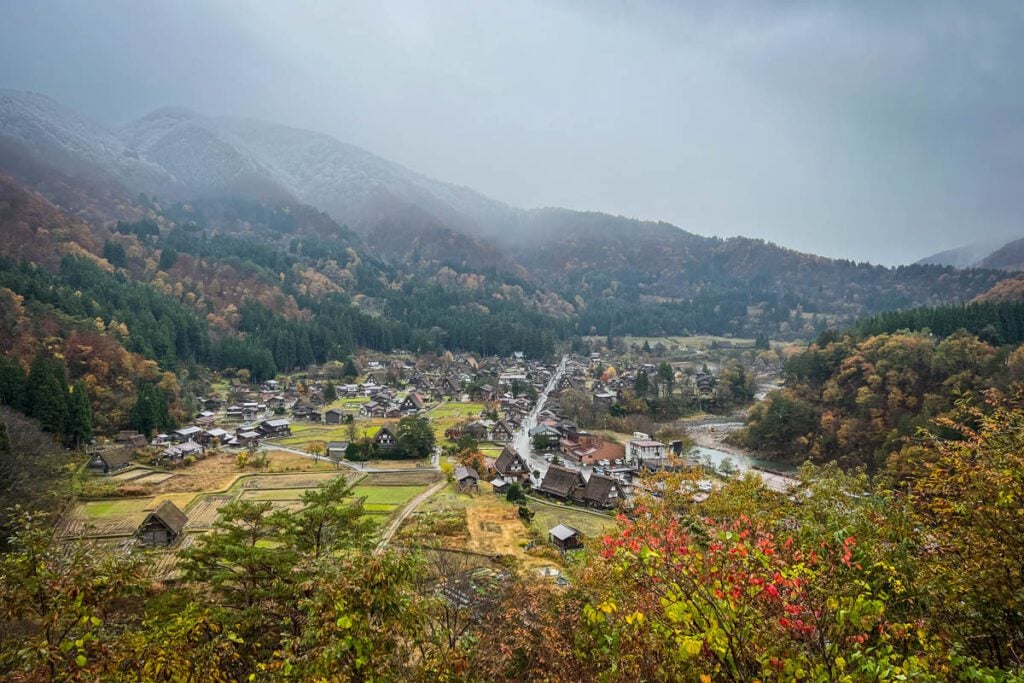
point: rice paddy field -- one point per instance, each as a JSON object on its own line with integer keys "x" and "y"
{"x": 384, "y": 494}
{"x": 451, "y": 414}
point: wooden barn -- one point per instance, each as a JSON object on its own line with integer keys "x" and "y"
{"x": 163, "y": 526}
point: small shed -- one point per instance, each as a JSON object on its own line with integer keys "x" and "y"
{"x": 336, "y": 449}
{"x": 467, "y": 479}
{"x": 499, "y": 486}
{"x": 162, "y": 526}
{"x": 565, "y": 537}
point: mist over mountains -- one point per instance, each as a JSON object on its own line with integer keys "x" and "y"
{"x": 606, "y": 273}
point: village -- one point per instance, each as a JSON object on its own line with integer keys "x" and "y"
{"x": 504, "y": 471}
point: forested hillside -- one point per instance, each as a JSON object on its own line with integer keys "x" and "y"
{"x": 601, "y": 274}
{"x": 860, "y": 397}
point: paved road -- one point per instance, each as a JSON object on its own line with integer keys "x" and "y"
{"x": 521, "y": 441}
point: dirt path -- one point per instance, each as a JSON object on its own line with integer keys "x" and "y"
{"x": 413, "y": 504}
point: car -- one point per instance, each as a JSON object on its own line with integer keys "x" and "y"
{"x": 549, "y": 457}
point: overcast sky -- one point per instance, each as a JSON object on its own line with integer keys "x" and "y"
{"x": 876, "y": 131}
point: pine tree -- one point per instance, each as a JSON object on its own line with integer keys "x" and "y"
{"x": 351, "y": 371}
{"x": 79, "y": 425}
{"x": 643, "y": 383}
{"x": 48, "y": 393}
{"x": 329, "y": 393}
{"x": 13, "y": 384}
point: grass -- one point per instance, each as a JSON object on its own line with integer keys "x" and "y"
{"x": 386, "y": 495}
{"x": 590, "y": 525}
{"x": 305, "y": 433}
{"x": 451, "y": 414}
{"x": 109, "y": 508}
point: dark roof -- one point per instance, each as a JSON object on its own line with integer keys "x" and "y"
{"x": 383, "y": 431}
{"x": 170, "y": 515}
{"x": 598, "y": 489}
{"x": 337, "y": 444}
{"x": 505, "y": 460}
{"x": 115, "y": 456}
{"x": 504, "y": 425}
{"x": 463, "y": 472}
{"x": 561, "y": 481}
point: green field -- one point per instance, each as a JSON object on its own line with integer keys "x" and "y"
{"x": 305, "y": 433}
{"x": 107, "y": 508}
{"x": 548, "y": 516}
{"x": 449, "y": 415}
{"x": 387, "y": 495}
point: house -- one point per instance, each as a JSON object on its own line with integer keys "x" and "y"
{"x": 273, "y": 428}
{"x": 130, "y": 438}
{"x": 478, "y": 430}
{"x": 110, "y": 460}
{"x": 451, "y": 387}
{"x": 385, "y": 438}
{"x": 336, "y": 449}
{"x": 412, "y": 403}
{"x": 484, "y": 393}
{"x": 213, "y": 437}
{"x": 499, "y": 486}
{"x": 186, "y": 434}
{"x": 565, "y": 538}
{"x": 561, "y": 482}
{"x": 178, "y": 452}
{"x": 590, "y": 449}
{"x": 512, "y": 466}
{"x": 601, "y": 492}
{"x": 162, "y": 526}
{"x": 245, "y": 437}
{"x": 642, "y": 449}
{"x": 502, "y": 432}
{"x": 334, "y": 416}
{"x": 548, "y": 434}
{"x": 467, "y": 479}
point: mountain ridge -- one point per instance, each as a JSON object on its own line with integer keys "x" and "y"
{"x": 617, "y": 274}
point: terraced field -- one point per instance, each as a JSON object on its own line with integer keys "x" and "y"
{"x": 204, "y": 511}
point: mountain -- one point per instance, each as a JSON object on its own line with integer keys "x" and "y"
{"x": 228, "y": 155}
{"x": 35, "y": 125}
{"x": 995, "y": 255}
{"x": 220, "y": 189}
{"x": 1010, "y": 256}
{"x": 961, "y": 257}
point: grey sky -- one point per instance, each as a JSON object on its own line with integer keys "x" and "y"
{"x": 868, "y": 130}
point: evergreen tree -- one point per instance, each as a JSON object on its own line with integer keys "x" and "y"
{"x": 415, "y": 436}
{"x": 48, "y": 393}
{"x": 115, "y": 254}
{"x": 150, "y": 412}
{"x": 666, "y": 375}
{"x": 79, "y": 425}
{"x": 643, "y": 383}
{"x": 350, "y": 371}
{"x": 329, "y": 393}
{"x": 13, "y": 385}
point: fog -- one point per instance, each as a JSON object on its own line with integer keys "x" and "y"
{"x": 868, "y": 130}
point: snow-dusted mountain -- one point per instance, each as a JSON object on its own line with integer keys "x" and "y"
{"x": 174, "y": 151}
{"x": 60, "y": 136}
